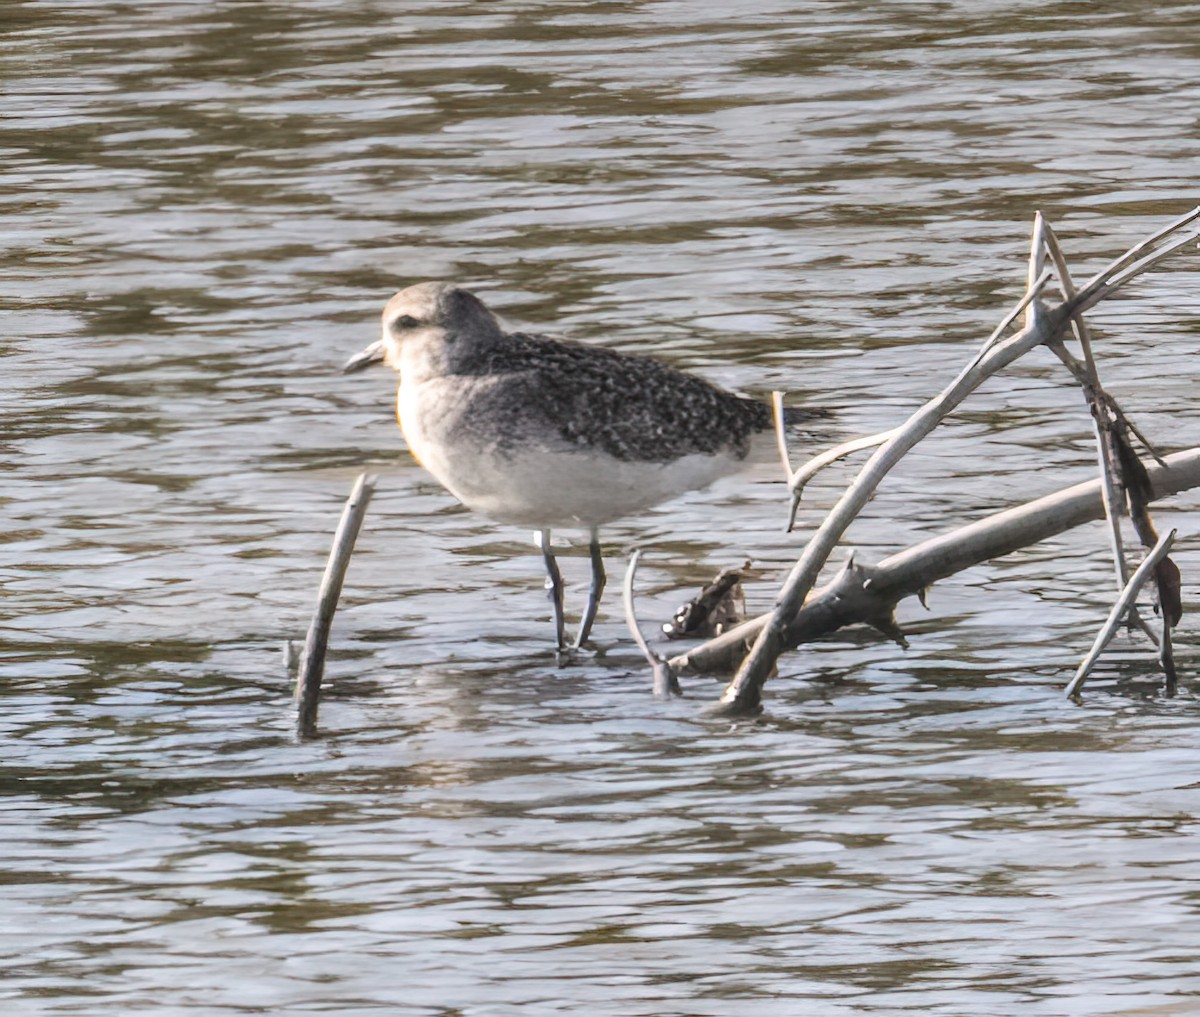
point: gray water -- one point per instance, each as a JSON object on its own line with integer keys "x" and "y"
{"x": 205, "y": 205}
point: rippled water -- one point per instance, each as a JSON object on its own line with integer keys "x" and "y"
{"x": 205, "y": 205}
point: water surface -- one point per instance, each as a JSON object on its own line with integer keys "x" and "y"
{"x": 205, "y": 206}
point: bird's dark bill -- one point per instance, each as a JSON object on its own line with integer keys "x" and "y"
{"x": 373, "y": 354}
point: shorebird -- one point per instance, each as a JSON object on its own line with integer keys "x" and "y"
{"x": 547, "y": 433}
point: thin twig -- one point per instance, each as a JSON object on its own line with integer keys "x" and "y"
{"x": 1094, "y": 292}
{"x": 1117, "y": 614}
{"x": 312, "y": 663}
{"x": 806, "y": 471}
{"x": 1079, "y": 373}
{"x": 1133, "y": 429}
{"x": 666, "y": 683}
{"x": 781, "y": 441}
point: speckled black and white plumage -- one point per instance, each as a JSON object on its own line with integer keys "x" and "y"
{"x": 633, "y": 408}
{"x": 544, "y": 432}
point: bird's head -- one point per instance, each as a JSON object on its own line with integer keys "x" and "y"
{"x": 429, "y": 321}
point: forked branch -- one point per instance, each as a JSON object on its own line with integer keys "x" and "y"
{"x": 1125, "y": 603}
{"x": 1042, "y": 326}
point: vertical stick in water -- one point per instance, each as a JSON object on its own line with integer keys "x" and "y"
{"x": 312, "y": 663}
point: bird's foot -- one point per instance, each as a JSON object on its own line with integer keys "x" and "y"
{"x": 566, "y": 655}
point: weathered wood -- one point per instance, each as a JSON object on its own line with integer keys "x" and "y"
{"x": 846, "y": 601}
{"x": 743, "y": 693}
{"x": 1121, "y": 609}
{"x": 666, "y": 682}
{"x": 312, "y": 663}
{"x": 1042, "y": 326}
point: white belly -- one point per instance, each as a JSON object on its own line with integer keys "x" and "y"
{"x": 548, "y": 487}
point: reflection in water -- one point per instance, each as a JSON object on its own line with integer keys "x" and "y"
{"x": 205, "y": 205}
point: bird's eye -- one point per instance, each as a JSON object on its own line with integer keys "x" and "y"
{"x": 405, "y": 321}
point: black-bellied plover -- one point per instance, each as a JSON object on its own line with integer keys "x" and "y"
{"x": 547, "y": 433}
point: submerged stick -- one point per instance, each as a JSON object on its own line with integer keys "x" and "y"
{"x": 312, "y": 663}
{"x": 1166, "y": 657}
{"x": 666, "y": 683}
{"x": 1120, "y": 609}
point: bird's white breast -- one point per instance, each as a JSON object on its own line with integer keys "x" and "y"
{"x": 539, "y": 482}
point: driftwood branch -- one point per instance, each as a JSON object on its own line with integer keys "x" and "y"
{"x": 800, "y": 477}
{"x": 312, "y": 663}
{"x": 744, "y": 693}
{"x": 1043, "y": 326}
{"x": 869, "y": 593}
{"x": 1122, "y": 269}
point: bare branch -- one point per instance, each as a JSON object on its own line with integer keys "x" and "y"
{"x": 744, "y": 692}
{"x": 1107, "y": 283}
{"x": 666, "y": 683}
{"x": 1120, "y": 609}
{"x": 910, "y": 571}
{"x": 781, "y": 442}
{"x": 1110, "y": 464}
{"x": 1106, "y": 416}
{"x": 1131, "y": 255}
{"x": 1030, "y": 296}
{"x": 816, "y": 464}
{"x": 312, "y": 663}
{"x": 1079, "y": 373}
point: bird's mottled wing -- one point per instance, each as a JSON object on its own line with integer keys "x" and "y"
{"x": 632, "y": 407}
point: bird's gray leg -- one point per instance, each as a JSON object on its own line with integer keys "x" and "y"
{"x": 594, "y": 592}
{"x": 554, "y": 584}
